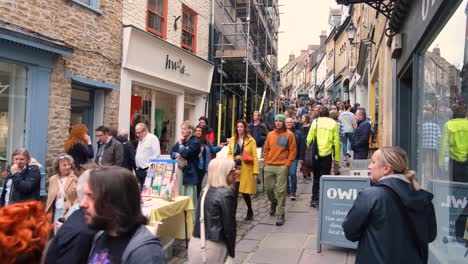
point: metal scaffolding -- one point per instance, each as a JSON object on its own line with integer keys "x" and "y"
{"x": 246, "y": 50}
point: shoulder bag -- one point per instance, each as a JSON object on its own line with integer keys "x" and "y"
{"x": 229, "y": 259}
{"x": 312, "y": 152}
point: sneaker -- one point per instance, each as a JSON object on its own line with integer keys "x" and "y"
{"x": 293, "y": 196}
{"x": 273, "y": 208}
{"x": 280, "y": 220}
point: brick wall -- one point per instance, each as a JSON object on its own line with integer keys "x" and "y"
{"x": 96, "y": 40}
{"x": 134, "y": 13}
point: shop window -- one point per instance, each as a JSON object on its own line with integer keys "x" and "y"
{"x": 13, "y": 87}
{"x": 442, "y": 145}
{"x": 91, "y": 4}
{"x": 189, "y": 29}
{"x": 156, "y": 19}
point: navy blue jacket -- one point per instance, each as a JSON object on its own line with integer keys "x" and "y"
{"x": 72, "y": 242}
{"x": 300, "y": 143}
{"x": 360, "y": 140}
{"x": 189, "y": 151}
{"x": 393, "y": 222}
{"x": 259, "y": 133}
{"x": 26, "y": 185}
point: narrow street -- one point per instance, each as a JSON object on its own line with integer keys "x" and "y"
{"x": 260, "y": 241}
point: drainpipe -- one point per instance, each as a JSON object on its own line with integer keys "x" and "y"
{"x": 211, "y": 49}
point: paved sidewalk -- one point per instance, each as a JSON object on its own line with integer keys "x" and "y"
{"x": 261, "y": 241}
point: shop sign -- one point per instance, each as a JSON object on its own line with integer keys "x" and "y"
{"x": 337, "y": 196}
{"x": 355, "y": 79}
{"x": 175, "y": 65}
{"x": 451, "y": 210}
{"x": 417, "y": 22}
{"x": 329, "y": 81}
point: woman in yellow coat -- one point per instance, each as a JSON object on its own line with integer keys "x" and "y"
{"x": 243, "y": 142}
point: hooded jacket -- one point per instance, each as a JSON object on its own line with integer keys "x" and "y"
{"x": 387, "y": 234}
{"x": 143, "y": 247}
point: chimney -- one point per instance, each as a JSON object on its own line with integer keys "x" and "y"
{"x": 323, "y": 37}
{"x": 291, "y": 57}
{"x": 436, "y": 50}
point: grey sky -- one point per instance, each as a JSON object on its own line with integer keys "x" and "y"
{"x": 301, "y": 23}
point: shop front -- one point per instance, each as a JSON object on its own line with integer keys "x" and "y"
{"x": 431, "y": 86}
{"x": 162, "y": 85}
{"x": 25, "y": 70}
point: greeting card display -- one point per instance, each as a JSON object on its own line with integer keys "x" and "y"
{"x": 161, "y": 179}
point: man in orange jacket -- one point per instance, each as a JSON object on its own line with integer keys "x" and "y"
{"x": 279, "y": 153}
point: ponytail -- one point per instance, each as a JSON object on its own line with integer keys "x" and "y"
{"x": 410, "y": 175}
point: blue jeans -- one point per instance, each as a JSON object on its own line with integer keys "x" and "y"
{"x": 346, "y": 147}
{"x": 292, "y": 178}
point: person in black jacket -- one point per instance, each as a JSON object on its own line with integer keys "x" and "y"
{"x": 360, "y": 141}
{"x": 23, "y": 180}
{"x": 129, "y": 150}
{"x": 79, "y": 145}
{"x": 393, "y": 220}
{"x": 219, "y": 215}
{"x": 73, "y": 240}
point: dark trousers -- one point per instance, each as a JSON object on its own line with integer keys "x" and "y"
{"x": 246, "y": 196}
{"x": 459, "y": 171}
{"x": 323, "y": 167}
{"x": 360, "y": 155}
{"x": 141, "y": 176}
{"x": 201, "y": 175}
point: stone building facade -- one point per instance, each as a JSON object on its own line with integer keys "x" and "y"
{"x": 165, "y": 75}
{"x": 81, "y": 47}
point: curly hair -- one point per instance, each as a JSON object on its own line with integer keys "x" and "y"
{"x": 24, "y": 229}
{"x": 63, "y": 156}
{"x": 76, "y": 136}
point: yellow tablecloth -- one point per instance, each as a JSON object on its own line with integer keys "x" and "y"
{"x": 171, "y": 214}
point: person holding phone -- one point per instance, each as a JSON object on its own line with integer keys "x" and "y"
{"x": 79, "y": 145}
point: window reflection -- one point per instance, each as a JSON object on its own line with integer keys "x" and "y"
{"x": 443, "y": 137}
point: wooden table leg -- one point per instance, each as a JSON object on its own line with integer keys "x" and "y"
{"x": 186, "y": 232}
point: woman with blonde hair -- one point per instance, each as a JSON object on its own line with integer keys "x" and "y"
{"x": 243, "y": 150}
{"x": 214, "y": 232}
{"x": 186, "y": 152}
{"x": 62, "y": 188}
{"x": 394, "y": 219}
{"x": 79, "y": 145}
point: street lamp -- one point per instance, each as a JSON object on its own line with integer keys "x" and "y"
{"x": 351, "y": 31}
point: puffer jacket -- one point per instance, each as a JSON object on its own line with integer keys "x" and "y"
{"x": 220, "y": 218}
{"x": 393, "y": 222}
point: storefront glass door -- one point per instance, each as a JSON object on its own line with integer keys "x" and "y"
{"x": 13, "y": 89}
{"x": 82, "y": 101}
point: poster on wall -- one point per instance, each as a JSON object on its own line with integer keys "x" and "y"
{"x": 161, "y": 179}
{"x": 451, "y": 209}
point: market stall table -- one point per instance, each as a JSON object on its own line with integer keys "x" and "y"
{"x": 172, "y": 215}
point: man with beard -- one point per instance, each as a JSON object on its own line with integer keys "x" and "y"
{"x": 111, "y": 203}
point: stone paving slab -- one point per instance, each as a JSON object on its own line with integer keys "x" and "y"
{"x": 302, "y": 223}
{"x": 284, "y": 240}
{"x": 326, "y": 256}
{"x": 275, "y": 256}
{"x": 247, "y": 245}
{"x": 260, "y": 231}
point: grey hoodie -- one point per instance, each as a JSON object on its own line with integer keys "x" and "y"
{"x": 143, "y": 248}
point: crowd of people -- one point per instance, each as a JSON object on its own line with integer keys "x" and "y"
{"x": 93, "y": 208}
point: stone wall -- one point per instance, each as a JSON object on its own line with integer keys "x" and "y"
{"x": 134, "y": 13}
{"x": 96, "y": 40}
